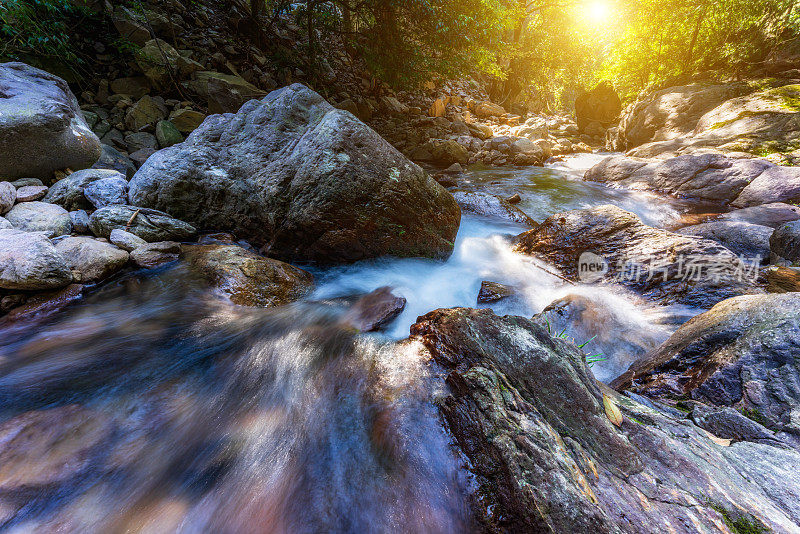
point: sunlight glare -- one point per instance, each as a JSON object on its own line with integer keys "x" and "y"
{"x": 597, "y": 11}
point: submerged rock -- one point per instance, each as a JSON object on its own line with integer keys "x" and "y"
{"x": 306, "y": 180}
{"x": 28, "y": 260}
{"x": 494, "y": 292}
{"x": 660, "y": 265}
{"x": 247, "y": 278}
{"x": 489, "y": 205}
{"x": 375, "y": 310}
{"x": 41, "y": 125}
{"x": 740, "y": 353}
{"x": 533, "y": 427}
{"x": 608, "y": 329}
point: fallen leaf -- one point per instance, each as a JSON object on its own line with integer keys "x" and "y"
{"x": 612, "y": 411}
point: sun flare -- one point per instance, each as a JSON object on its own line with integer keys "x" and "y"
{"x": 596, "y": 11}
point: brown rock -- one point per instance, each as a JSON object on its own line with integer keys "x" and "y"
{"x": 30, "y": 193}
{"x": 247, "y": 278}
{"x": 375, "y": 310}
{"x": 494, "y": 292}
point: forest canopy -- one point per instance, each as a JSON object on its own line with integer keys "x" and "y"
{"x": 538, "y": 53}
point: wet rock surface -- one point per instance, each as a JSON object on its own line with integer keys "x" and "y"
{"x": 375, "y": 310}
{"x": 619, "y": 237}
{"x": 529, "y": 419}
{"x": 489, "y": 205}
{"x": 743, "y": 239}
{"x": 742, "y": 353}
{"x": 494, "y": 292}
{"x": 247, "y": 278}
{"x": 323, "y": 187}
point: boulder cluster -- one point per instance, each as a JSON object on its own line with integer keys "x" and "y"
{"x": 288, "y": 174}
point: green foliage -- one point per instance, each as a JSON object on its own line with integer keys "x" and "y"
{"x": 38, "y": 28}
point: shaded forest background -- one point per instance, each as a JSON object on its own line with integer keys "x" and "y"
{"x": 532, "y": 53}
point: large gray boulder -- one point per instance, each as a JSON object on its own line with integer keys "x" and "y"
{"x": 28, "y": 260}
{"x": 150, "y": 225}
{"x": 544, "y": 453}
{"x": 303, "y": 179}
{"x": 744, "y": 352}
{"x": 93, "y": 259}
{"x": 661, "y": 265}
{"x": 714, "y": 177}
{"x": 42, "y": 128}
{"x": 773, "y": 214}
{"x": 69, "y": 192}
{"x": 51, "y": 219}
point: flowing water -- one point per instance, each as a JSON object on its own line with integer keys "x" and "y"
{"x": 153, "y": 406}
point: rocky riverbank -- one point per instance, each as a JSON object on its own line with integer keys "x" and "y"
{"x": 254, "y": 187}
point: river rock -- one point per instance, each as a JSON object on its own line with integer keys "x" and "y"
{"x": 113, "y": 159}
{"x": 126, "y": 240}
{"x": 494, "y": 292}
{"x": 785, "y": 241}
{"x": 247, "y": 278}
{"x": 713, "y": 177}
{"x": 322, "y": 186}
{"x": 80, "y": 221}
{"x": 4, "y": 224}
{"x": 29, "y": 193}
{"x": 543, "y": 455}
{"x": 146, "y": 111}
{"x": 167, "y": 134}
{"x": 743, "y": 239}
{"x": 107, "y": 191}
{"x": 44, "y": 303}
{"x": 22, "y": 182}
{"x": 740, "y": 353}
{"x": 28, "y": 260}
{"x": 152, "y": 255}
{"x": 93, "y": 259}
{"x": 150, "y": 225}
{"x": 601, "y": 105}
{"x": 489, "y": 205}
{"x": 41, "y": 124}
{"x": 375, "y": 310}
{"x": 69, "y": 192}
{"x": 8, "y": 195}
{"x": 773, "y": 214}
{"x": 660, "y": 265}
{"x": 488, "y": 109}
{"x": 37, "y": 216}
{"x": 186, "y": 120}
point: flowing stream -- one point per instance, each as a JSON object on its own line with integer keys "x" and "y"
{"x": 152, "y": 406}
